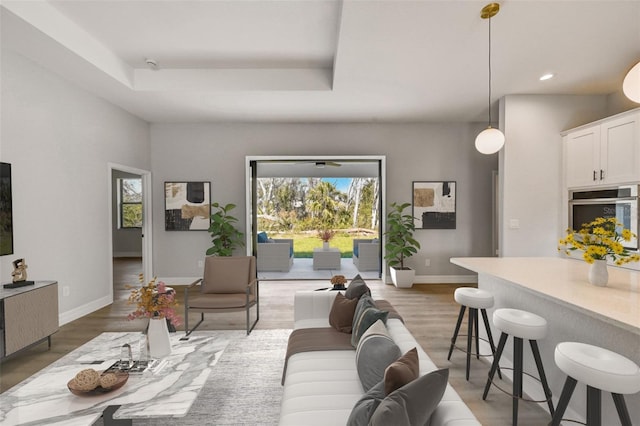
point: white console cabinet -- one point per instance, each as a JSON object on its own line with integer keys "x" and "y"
{"x": 605, "y": 152}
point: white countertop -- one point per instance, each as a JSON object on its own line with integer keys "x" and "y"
{"x": 565, "y": 281}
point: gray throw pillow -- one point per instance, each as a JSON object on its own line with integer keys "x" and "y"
{"x": 365, "y": 315}
{"x": 357, "y": 287}
{"x": 413, "y": 403}
{"x": 365, "y": 407}
{"x": 375, "y": 352}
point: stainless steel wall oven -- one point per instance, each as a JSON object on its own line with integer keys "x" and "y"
{"x": 620, "y": 202}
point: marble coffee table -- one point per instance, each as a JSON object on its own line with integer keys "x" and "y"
{"x": 167, "y": 391}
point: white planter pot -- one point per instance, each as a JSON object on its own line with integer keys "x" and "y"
{"x": 402, "y": 278}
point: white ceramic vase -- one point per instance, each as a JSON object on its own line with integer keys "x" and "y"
{"x": 158, "y": 335}
{"x": 598, "y": 274}
{"x": 325, "y": 245}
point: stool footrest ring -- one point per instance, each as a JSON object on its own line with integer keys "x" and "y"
{"x": 519, "y": 397}
{"x": 472, "y": 353}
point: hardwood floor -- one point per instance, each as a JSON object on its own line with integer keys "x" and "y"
{"x": 428, "y": 310}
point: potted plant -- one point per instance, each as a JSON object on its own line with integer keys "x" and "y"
{"x": 400, "y": 245}
{"x": 224, "y": 235}
{"x": 326, "y": 235}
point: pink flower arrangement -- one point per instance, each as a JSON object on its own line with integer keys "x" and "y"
{"x": 153, "y": 301}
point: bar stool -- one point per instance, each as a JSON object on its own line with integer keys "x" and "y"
{"x": 521, "y": 325}
{"x": 474, "y": 299}
{"x": 601, "y": 370}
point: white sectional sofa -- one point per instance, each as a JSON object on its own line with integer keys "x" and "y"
{"x": 322, "y": 387}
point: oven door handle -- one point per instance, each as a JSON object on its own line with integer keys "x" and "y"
{"x": 602, "y": 201}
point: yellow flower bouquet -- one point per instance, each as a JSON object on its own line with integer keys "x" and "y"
{"x": 598, "y": 239}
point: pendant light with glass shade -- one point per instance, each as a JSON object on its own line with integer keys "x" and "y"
{"x": 490, "y": 140}
{"x": 631, "y": 84}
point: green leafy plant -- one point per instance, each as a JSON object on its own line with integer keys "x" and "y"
{"x": 224, "y": 234}
{"x": 400, "y": 243}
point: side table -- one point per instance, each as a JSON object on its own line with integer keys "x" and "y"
{"x": 326, "y": 258}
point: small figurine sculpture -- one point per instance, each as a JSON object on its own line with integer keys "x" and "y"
{"x": 19, "y": 273}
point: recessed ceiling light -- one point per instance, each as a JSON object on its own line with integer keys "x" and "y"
{"x": 547, "y": 76}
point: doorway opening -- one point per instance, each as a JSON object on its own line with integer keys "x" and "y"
{"x": 293, "y": 202}
{"x": 130, "y": 221}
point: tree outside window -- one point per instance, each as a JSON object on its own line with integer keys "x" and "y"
{"x": 130, "y": 203}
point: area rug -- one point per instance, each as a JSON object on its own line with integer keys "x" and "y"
{"x": 244, "y": 387}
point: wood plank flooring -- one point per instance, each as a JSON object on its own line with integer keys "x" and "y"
{"x": 429, "y": 311}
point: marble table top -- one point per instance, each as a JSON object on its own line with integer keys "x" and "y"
{"x": 167, "y": 391}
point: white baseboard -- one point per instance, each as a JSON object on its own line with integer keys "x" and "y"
{"x": 178, "y": 280}
{"x": 80, "y": 311}
{"x": 446, "y": 279}
{"x": 127, "y": 254}
{"x": 441, "y": 279}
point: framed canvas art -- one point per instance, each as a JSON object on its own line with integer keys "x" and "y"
{"x": 187, "y": 206}
{"x": 434, "y": 205}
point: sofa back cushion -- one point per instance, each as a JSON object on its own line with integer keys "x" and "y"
{"x": 341, "y": 314}
{"x": 375, "y": 352}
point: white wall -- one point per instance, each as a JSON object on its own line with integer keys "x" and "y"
{"x": 59, "y": 140}
{"x": 414, "y": 152}
{"x": 531, "y": 168}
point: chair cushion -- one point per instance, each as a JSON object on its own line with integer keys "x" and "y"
{"x": 341, "y": 314}
{"x": 262, "y": 237}
{"x": 357, "y": 287}
{"x": 219, "y": 301}
{"x": 413, "y": 403}
{"x": 365, "y": 315}
{"x": 402, "y": 371}
{"x": 366, "y": 406}
{"x": 375, "y": 352}
{"x": 226, "y": 274}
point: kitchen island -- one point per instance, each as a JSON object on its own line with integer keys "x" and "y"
{"x": 557, "y": 289}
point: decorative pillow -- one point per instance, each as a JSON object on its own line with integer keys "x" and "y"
{"x": 365, "y": 315}
{"x": 413, "y": 403}
{"x": 341, "y": 315}
{"x": 364, "y": 408}
{"x": 262, "y": 237}
{"x": 375, "y": 352}
{"x": 357, "y": 287}
{"x": 404, "y": 370}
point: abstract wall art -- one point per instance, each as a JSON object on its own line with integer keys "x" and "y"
{"x": 434, "y": 205}
{"x": 187, "y": 206}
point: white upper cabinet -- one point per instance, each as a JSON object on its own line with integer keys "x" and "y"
{"x": 604, "y": 153}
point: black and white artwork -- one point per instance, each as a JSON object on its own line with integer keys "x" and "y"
{"x": 187, "y": 206}
{"x": 434, "y": 205}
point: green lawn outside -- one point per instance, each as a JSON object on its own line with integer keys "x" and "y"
{"x": 303, "y": 244}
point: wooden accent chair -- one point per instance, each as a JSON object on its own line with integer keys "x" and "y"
{"x": 229, "y": 284}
